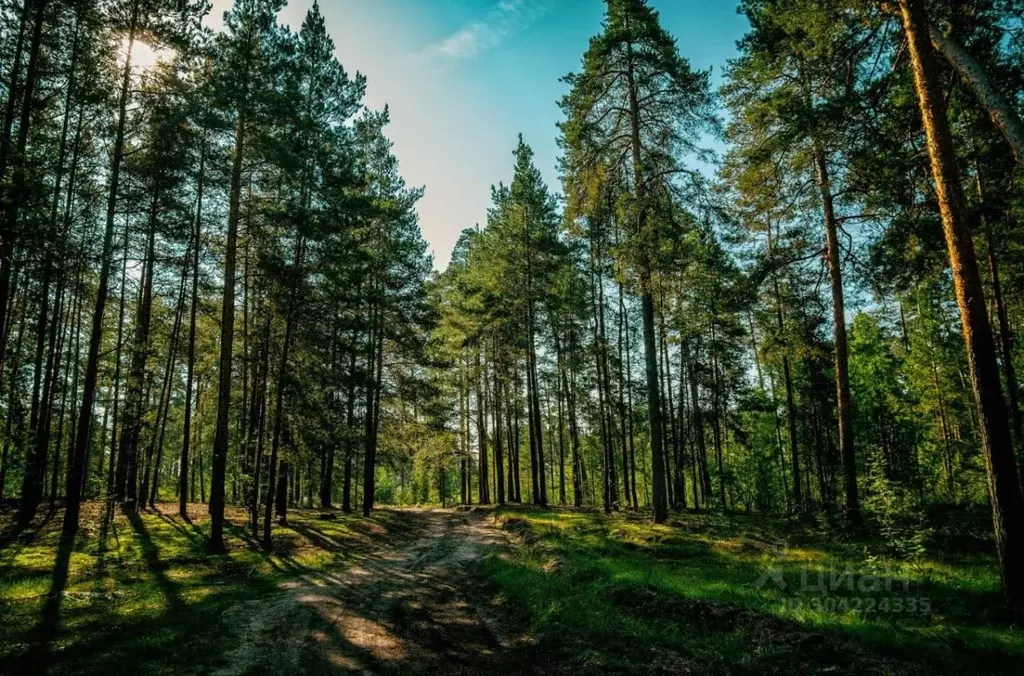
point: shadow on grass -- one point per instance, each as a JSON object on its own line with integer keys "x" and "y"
{"x": 602, "y": 598}
{"x": 318, "y": 538}
{"x": 156, "y": 567}
{"x": 162, "y": 606}
{"x": 195, "y": 536}
{"x": 18, "y": 532}
{"x": 42, "y": 636}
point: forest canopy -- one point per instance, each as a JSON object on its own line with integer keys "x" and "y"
{"x": 796, "y": 292}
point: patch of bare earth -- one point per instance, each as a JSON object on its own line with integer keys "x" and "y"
{"x": 414, "y": 605}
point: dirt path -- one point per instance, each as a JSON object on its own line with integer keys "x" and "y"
{"x": 411, "y": 607}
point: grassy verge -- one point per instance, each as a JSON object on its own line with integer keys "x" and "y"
{"x": 704, "y": 594}
{"x": 147, "y": 598}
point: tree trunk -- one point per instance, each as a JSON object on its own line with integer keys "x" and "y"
{"x": 499, "y": 468}
{"x": 71, "y": 512}
{"x": 647, "y": 305}
{"x": 844, "y": 401}
{"x": 974, "y": 76}
{"x": 1006, "y": 338}
{"x": 13, "y": 199}
{"x": 375, "y": 355}
{"x": 481, "y": 429}
{"x": 281, "y": 380}
{"x": 227, "y": 336}
{"x": 197, "y": 236}
{"x": 165, "y": 391}
{"x": 126, "y": 483}
{"x": 997, "y": 445}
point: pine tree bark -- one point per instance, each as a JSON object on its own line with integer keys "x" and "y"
{"x": 197, "y": 236}
{"x": 481, "y": 429}
{"x": 997, "y": 444}
{"x": 1006, "y": 337}
{"x": 787, "y": 375}
{"x": 168, "y": 384}
{"x": 281, "y": 382}
{"x": 350, "y": 404}
{"x": 499, "y": 468}
{"x": 1000, "y": 110}
{"x": 844, "y": 400}
{"x": 375, "y": 355}
{"x": 126, "y": 482}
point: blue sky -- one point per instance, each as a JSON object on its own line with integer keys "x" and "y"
{"x": 464, "y": 77}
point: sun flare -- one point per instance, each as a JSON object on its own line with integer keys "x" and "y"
{"x": 145, "y": 56}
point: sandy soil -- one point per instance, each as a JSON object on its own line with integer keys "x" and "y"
{"x": 412, "y": 606}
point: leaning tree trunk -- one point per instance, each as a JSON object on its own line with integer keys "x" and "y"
{"x": 988, "y": 94}
{"x": 997, "y": 444}
{"x": 1006, "y": 338}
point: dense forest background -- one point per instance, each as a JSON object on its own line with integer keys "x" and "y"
{"x": 213, "y": 286}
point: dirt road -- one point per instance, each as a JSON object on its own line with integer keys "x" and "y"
{"x": 413, "y": 606}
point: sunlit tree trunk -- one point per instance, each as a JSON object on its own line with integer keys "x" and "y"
{"x": 997, "y": 445}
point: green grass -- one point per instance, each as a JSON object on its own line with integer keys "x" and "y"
{"x": 621, "y": 595}
{"x": 609, "y": 595}
{"x": 148, "y": 596}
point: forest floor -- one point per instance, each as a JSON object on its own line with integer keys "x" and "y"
{"x": 497, "y": 591}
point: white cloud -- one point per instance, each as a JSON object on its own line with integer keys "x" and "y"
{"x": 504, "y": 18}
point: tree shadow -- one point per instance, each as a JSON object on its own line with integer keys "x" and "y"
{"x": 41, "y": 637}
{"x": 25, "y": 532}
{"x": 318, "y": 538}
{"x": 155, "y": 567}
{"x": 194, "y": 534}
{"x": 277, "y": 558}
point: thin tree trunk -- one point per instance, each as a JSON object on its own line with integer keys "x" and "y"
{"x": 197, "y": 236}
{"x": 71, "y": 512}
{"x": 844, "y": 400}
{"x": 1006, "y": 337}
{"x": 499, "y": 468}
{"x": 165, "y": 391}
{"x": 281, "y": 380}
{"x": 647, "y": 304}
{"x": 13, "y": 199}
{"x": 481, "y": 428}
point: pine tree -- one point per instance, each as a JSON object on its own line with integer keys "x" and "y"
{"x": 635, "y": 107}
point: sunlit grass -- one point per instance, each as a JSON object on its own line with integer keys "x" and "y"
{"x": 148, "y": 591}
{"x": 621, "y": 592}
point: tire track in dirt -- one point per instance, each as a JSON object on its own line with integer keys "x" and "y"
{"x": 414, "y": 605}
